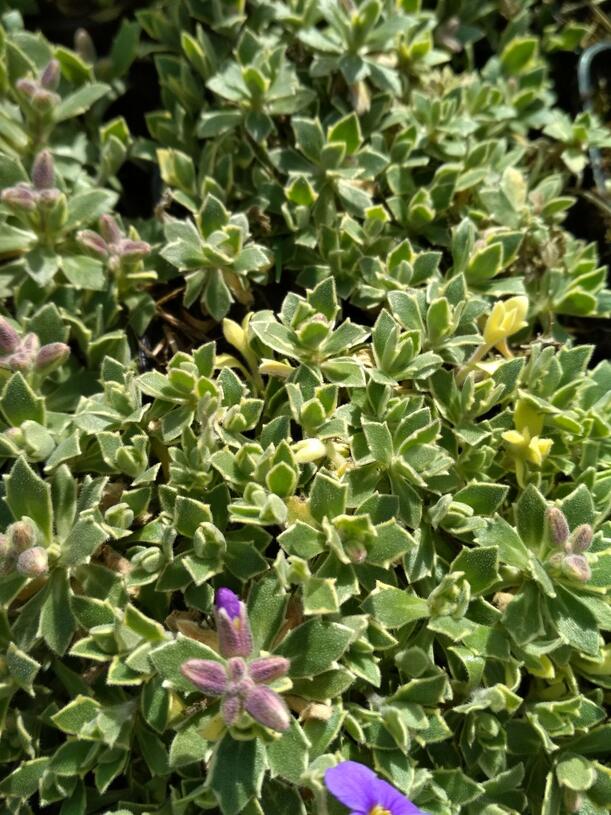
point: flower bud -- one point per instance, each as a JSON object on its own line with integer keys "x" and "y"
{"x": 558, "y": 526}
{"x": 19, "y": 361}
{"x": 83, "y": 45}
{"x": 231, "y": 707}
{"x": 266, "y": 669}
{"x": 308, "y": 450}
{"x": 49, "y": 78}
{"x": 208, "y": 676}
{"x": 44, "y": 100}
{"x": 581, "y": 538}
{"x": 51, "y": 356}
{"x": 21, "y": 535}
{"x": 92, "y": 241}
{"x": 33, "y": 562}
{"x": 133, "y": 250}
{"x": 234, "y": 334}
{"x": 577, "y": 566}
{"x": 27, "y": 86}
{"x": 268, "y": 708}
{"x": 47, "y": 199}
{"x": 19, "y": 198}
{"x": 233, "y": 627}
{"x": 9, "y": 338}
{"x": 43, "y": 171}
{"x": 110, "y": 229}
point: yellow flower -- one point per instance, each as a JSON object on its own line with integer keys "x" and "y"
{"x": 525, "y": 443}
{"x": 507, "y": 317}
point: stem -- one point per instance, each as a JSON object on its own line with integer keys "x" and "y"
{"x": 475, "y": 357}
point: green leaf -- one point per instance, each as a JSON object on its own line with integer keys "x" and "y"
{"x": 480, "y": 566}
{"x": 575, "y": 772}
{"x": 168, "y": 658}
{"x": 84, "y": 272}
{"x": 574, "y": 621}
{"x": 23, "y": 782}
{"x": 287, "y": 756}
{"x": 314, "y": 646}
{"x": 327, "y": 497}
{"x": 29, "y": 495}
{"x": 394, "y": 607}
{"x": 517, "y": 54}
{"x": 57, "y": 623}
{"x": 80, "y": 101}
{"x": 236, "y": 773}
{"x": 530, "y": 516}
{"x": 19, "y": 402}
{"x": 348, "y": 132}
{"x": 82, "y": 542}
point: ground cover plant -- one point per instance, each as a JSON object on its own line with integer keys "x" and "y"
{"x": 304, "y": 409}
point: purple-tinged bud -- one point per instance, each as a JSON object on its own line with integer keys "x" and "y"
{"x": 236, "y": 669}
{"x": 231, "y": 707}
{"x": 19, "y": 361}
{"x": 581, "y": 538}
{"x": 27, "y": 86}
{"x": 232, "y": 625}
{"x": 19, "y": 197}
{"x": 266, "y": 669}
{"x": 29, "y": 347}
{"x": 21, "y": 535}
{"x": 43, "y": 170}
{"x": 573, "y": 800}
{"x": 578, "y": 567}
{"x": 49, "y": 198}
{"x": 133, "y": 250}
{"x": 49, "y": 78}
{"x": 9, "y": 338}
{"x": 558, "y": 526}
{"x": 92, "y": 241}
{"x": 44, "y": 100}
{"x": 110, "y": 229}
{"x": 51, "y": 356}
{"x": 33, "y": 562}
{"x": 268, "y": 708}
{"x": 83, "y": 45}
{"x": 208, "y": 676}
{"x": 356, "y": 552}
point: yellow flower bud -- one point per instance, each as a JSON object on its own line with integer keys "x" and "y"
{"x": 507, "y": 317}
{"x": 274, "y": 368}
{"x": 308, "y": 450}
{"x": 234, "y": 334}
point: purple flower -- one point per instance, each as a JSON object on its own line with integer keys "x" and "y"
{"x": 360, "y": 789}
{"x": 232, "y": 625}
{"x": 239, "y": 686}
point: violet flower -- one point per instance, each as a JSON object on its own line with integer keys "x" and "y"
{"x": 360, "y": 789}
{"x": 241, "y": 686}
{"x": 232, "y": 625}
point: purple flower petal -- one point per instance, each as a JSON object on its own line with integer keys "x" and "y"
{"x": 231, "y": 707}
{"x": 352, "y": 784}
{"x": 391, "y": 799}
{"x": 209, "y": 676}
{"x": 360, "y": 789}
{"x": 268, "y": 708}
{"x": 265, "y": 669}
{"x": 229, "y": 601}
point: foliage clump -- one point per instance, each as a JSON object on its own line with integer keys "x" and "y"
{"x": 306, "y": 461}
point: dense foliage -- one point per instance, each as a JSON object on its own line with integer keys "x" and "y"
{"x": 336, "y": 364}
